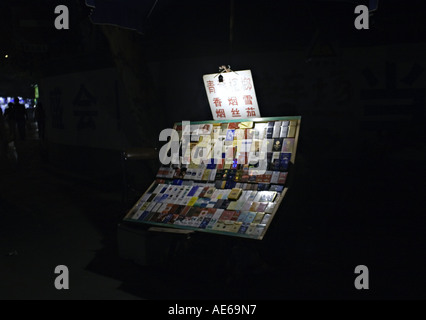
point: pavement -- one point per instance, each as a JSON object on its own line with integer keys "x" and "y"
{"x": 49, "y": 219}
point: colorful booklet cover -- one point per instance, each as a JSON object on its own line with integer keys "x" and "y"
{"x": 249, "y": 134}
{"x": 232, "y": 205}
{"x": 276, "y": 131}
{"x": 237, "y": 224}
{"x": 284, "y": 161}
{"x": 287, "y": 145}
{"x": 251, "y": 230}
{"x": 198, "y": 219}
{"x": 283, "y": 131}
{"x": 248, "y": 220}
{"x": 192, "y": 201}
{"x": 219, "y": 203}
{"x": 260, "y": 130}
{"x": 220, "y": 224}
{"x": 277, "y": 188}
{"x": 258, "y": 218}
{"x": 225, "y": 203}
{"x": 254, "y": 206}
{"x": 233, "y": 125}
{"x": 182, "y": 214}
{"x": 252, "y": 195}
{"x": 230, "y": 135}
{"x": 247, "y": 205}
{"x": 267, "y": 177}
{"x": 175, "y": 215}
{"x": 206, "y": 175}
{"x": 137, "y": 212}
{"x": 291, "y": 131}
{"x": 193, "y": 191}
{"x": 270, "y": 130}
{"x": 187, "y": 221}
{"x": 203, "y": 192}
{"x": 258, "y": 230}
{"x": 209, "y": 192}
{"x": 215, "y": 218}
{"x": 275, "y": 176}
{"x": 282, "y": 178}
{"x": 277, "y": 144}
{"x": 262, "y": 206}
{"x": 245, "y": 124}
{"x": 207, "y": 218}
{"x": 266, "y": 219}
{"x": 229, "y": 224}
{"x": 265, "y": 196}
{"x": 235, "y": 194}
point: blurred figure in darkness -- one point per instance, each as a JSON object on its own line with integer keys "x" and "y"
{"x": 9, "y": 116}
{"x": 41, "y": 120}
{"x": 8, "y": 135}
{"x": 3, "y": 137}
{"x": 21, "y": 119}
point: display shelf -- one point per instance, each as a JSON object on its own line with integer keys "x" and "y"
{"x": 236, "y": 191}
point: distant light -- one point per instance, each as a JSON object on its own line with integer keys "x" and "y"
{"x": 6, "y": 56}
{"x": 36, "y": 92}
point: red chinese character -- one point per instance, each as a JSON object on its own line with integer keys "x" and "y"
{"x": 233, "y": 101}
{"x": 248, "y": 99}
{"x": 247, "y": 84}
{"x": 217, "y": 102}
{"x": 220, "y": 113}
{"x": 235, "y": 112}
{"x": 251, "y": 112}
{"x": 210, "y": 86}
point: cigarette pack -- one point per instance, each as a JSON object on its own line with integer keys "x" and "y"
{"x": 235, "y": 194}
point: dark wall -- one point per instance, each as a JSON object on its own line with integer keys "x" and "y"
{"x": 349, "y": 102}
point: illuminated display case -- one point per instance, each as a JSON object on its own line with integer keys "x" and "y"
{"x": 225, "y": 177}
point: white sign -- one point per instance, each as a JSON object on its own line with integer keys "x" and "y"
{"x": 234, "y": 97}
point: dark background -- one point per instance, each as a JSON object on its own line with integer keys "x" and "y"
{"x": 357, "y": 193}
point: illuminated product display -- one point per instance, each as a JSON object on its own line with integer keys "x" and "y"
{"x": 227, "y": 177}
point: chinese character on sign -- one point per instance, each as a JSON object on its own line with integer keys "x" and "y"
{"x": 220, "y": 113}
{"x": 251, "y": 112}
{"x": 247, "y": 83}
{"x": 210, "y": 86}
{"x": 217, "y": 102}
{"x": 235, "y": 112}
{"x": 233, "y": 101}
{"x": 236, "y": 91}
{"x": 248, "y": 99}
